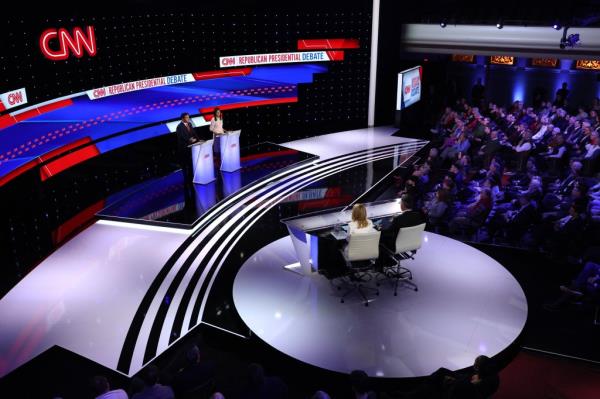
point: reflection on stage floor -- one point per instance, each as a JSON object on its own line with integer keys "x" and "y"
{"x": 467, "y": 304}
{"x": 165, "y": 201}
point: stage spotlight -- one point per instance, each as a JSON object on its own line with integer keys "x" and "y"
{"x": 443, "y": 24}
{"x": 499, "y": 25}
{"x": 556, "y": 26}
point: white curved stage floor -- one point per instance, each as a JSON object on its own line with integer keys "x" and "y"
{"x": 467, "y": 304}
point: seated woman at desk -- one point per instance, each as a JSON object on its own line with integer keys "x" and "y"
{"x": 359, "y": 224}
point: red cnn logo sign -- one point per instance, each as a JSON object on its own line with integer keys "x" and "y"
{"x": 74, "y": 43}
{"x": 15, "y": 98}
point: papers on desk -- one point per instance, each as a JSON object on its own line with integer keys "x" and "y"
{"x": 339, "y": 235}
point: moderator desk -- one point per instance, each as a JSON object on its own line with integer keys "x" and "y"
{"x": 305, "y": 229}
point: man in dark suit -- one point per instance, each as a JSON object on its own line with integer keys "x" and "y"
{"x": 519, "y": 221}
{"x": 186, "y": 135}
{"x": 407, "y": 218}
{"x": 196, "y": 373}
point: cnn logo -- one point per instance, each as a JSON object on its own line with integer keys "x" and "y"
{"x": 75, "y": 43}
{"x": 15, "y": 98}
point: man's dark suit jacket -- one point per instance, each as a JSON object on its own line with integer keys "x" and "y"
{"x": 407, "y": 218}
{"x": 183, "y": 139}
{"x": 523, "y": 219}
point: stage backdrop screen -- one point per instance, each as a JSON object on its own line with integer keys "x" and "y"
{"x": 409, "y": 87}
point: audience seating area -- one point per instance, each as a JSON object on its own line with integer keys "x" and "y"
{"x": 514, "y": 176}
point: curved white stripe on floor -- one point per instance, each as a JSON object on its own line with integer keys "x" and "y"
{"x": 240, "y": 209}
{"x": 467, "y": 304}
{"x": 244, "y": 219}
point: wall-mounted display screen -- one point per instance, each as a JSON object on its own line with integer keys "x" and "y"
{"x": 409, "y": 87}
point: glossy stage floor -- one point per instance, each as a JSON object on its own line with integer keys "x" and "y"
{"x": 467, "y": 304}
{"x": 121, "y": 292}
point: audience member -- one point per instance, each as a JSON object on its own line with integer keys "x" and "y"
{"x": 152, "y": 389}
{"x": 361, "y": 386}
{"x": 407, "y": 218}
{"x": 587, "y": 282}
{"x": 260, "y": 386}
{"x": 101, "y": 389}
{"x": 320, "y": 395}
{"x": 480, "y": 383}
{"x": 437, "y": 208}
{"x": 194, "y": 374}
{"x": 474, "y": 215}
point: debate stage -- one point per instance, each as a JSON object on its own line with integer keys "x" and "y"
{"x": 131, "y": 285}
{"x": 467, "y": 304}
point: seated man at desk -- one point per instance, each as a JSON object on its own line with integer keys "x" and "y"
{"x": 407, "y": 218}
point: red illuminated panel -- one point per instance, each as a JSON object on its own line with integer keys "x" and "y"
{"x": 222, "y": 74}
{"x": 16, "y": 172}
{"x": 55, "y": 105}
{"x": 336, "y": 55}
{"x": 40, "y": 110}
{"x": 326, "y": 44}
{"x": 207, "y": 112}
{"x": 65, "y": 162}
{"x": 268, "y": 155}
{"x": 333, "y": 197}
{"x": 26, "y": 115}
{"x": 64, "y": 230}
{"x": 6, "y": 121}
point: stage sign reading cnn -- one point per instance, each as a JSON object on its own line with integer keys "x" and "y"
{"x": 60, "y": 44}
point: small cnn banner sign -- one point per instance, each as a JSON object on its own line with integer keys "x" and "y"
{"x": 121, "y": 88}
{"x": 280, "y": 58}
{"x": 13, "y": 99}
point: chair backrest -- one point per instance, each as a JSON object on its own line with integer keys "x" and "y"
{"x": 363, "y": 246}
{"x": 409, "y": 238}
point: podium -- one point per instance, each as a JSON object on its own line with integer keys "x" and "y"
{"x": 230, "y": 151}
{"x": 202, "y": 160}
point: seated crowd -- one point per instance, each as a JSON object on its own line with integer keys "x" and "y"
{"x": 200, "y": 378}
{"x": 518, "y": 176}
{"x": 514, "y": 176}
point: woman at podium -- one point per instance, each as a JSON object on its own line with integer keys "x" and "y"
{"x": 216, "y": 127}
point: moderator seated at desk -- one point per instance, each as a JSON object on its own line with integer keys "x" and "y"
{"x": 313, "y": 234}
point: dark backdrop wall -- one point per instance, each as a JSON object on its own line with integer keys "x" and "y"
{"x": 144, "y": 42}
{"x": 505, "y": 84}
{"x": 390, "y": 61}
{"x": 150, "y": 44}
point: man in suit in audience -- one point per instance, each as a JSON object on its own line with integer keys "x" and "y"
{"x": 101, "y": 389}
{"x": 196, "y": 373}
{"x": 516, "y": 222}
{"x": 152, "y": 389}
{"x": 407, "y": 218}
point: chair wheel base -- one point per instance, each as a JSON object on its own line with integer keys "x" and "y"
{"x": 395, "y": 294}
{"x": 367, "y": 304}
{"x": 341, "y": 300}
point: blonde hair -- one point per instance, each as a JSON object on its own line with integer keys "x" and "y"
{"x": 359, "y": 215}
